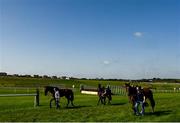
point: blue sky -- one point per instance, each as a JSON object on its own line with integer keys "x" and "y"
{"x": 129, "y": 39}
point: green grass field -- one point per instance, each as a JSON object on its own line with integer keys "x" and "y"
{"x": 86, "y": 109}
{"x": 40, "y": 82}
{"x": 22, "y": 108}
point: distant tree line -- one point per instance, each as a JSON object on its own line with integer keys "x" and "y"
{"x": 99, "y": 79}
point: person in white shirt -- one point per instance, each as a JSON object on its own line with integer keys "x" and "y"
{"x": 57, "y": 96}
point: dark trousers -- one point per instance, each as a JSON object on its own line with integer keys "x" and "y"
{"x": 57, "y": 103}
{"x": 137, "y": 105}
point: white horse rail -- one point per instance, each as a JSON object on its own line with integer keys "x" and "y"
{"x": 15, "y": 95}
{"x": 36, "y": 97}
{"x": 89, "y": 92}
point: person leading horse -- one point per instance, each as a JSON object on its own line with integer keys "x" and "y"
{"x": 103, "y": 94}
{"x": 68, "y": 93}
{"x": 132, "y": 93}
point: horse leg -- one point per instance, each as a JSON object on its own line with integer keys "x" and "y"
{"x": 104, "y": 100}
{"x": 152, "y": 103}
{"x": 109, "y": 100}
{"x": 133, "y": 106}
{"x": 72, "y": 103}
{"x": 50, "y": 102}
{"x": 129, "y": 99}
{"x": 68, "y": 102}
{"x": 98, "y": 101}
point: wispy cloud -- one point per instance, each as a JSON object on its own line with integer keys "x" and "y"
{"x": 106, "y": 62}
{"x": 138, "y": 34}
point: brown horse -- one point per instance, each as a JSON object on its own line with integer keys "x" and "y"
{"x": 103, "y": 94}
{"x": 132, "y": 95}
{"x": 68, "y": 93}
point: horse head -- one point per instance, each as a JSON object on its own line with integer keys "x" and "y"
{"x": 49, "y": 89}
{"x": 46, "y": 90}
{"x": 127, "y": 86}
{"x": 131, "y": 90}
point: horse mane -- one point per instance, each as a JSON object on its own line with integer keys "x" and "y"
{"x": 50, "y": 89}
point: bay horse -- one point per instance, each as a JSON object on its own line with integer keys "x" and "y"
{"x": 132, "y": 95}
{"x": 103, "y": 94}
{"x": 107, "y": 95}
{"x": 68, "y": 93}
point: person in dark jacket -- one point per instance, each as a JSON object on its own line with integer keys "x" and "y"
{"x": 140, "y": 100}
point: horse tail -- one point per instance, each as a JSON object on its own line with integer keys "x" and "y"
{"x": 151, "y": 99}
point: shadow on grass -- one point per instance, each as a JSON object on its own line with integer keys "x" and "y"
{"x": 40, "y": 105}
{"x": 78, "y": 106}
{"x": 116, "y": 104}
{"x": 159, "y": 113}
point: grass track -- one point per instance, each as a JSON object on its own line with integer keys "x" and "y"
{"x": 21, "y": 109}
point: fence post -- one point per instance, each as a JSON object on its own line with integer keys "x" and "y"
{"x": 116, "y": 90}
{"x": 37, "y": 98}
